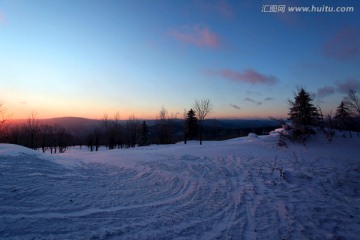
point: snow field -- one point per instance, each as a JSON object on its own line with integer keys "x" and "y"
{"x": 245, "y": 188}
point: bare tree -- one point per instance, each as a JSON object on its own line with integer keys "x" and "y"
{"x": 62, "y": 139}
{"x": 119, "y": 138}
{"x": 46, "y": 137}
{"x": 113, "y": 131}
{"x": 32, "y": 129}
{"x": 132, "y": 127}
{"x": 15, "y": 134}
{"x": 4, "y": 116}
{"x": 352, "y": 102}
{"x": 203, "y": 108}
{"x": 93, "y": 139}
{"x": 110, "y": 134}
{"x": 164, "y": 127}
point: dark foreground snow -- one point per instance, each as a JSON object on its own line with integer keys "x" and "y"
{"x": 246, "y": 188}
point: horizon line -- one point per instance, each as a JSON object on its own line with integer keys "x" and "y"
{"x": 149, "y": 119}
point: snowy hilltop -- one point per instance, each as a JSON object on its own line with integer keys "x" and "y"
{"x": 244, "y": 188}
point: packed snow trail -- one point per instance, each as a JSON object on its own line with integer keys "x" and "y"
{"x": 246, "y": 188}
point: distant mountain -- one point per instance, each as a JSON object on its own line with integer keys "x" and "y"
{"x": 76, "y": 126}
{"x": 80, "y": 127}
{"x": 240, "y": 123}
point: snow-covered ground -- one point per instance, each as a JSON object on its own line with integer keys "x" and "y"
{"x": 244, "y": 188}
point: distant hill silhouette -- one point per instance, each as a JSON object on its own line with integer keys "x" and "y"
{"x": 76, "y": 126}
{"x": 81, "y": 127}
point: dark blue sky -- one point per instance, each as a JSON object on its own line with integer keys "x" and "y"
{"x": 87, "y": 58}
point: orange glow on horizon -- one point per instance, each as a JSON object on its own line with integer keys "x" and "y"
{"x": 124, "y": 115}
{"x": 94, "y": 110}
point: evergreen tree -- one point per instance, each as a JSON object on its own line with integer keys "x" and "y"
{"x": 144, "y": 134}
{"x": 303, "y": 113}
{"x": 191, "y": 126}
{"x": 342, "y": 116}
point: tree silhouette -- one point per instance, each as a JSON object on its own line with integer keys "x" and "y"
{"x": 164, "y": 128}
{"x": 303, "y": 113}
{"x": 32, "y": 128}
{"x": 342, "y": 116}
{"x": 352, "y": 101}
{"x": 111, "y": 130}
{"x": 131, "y": 131}
{"x": 191, "y": 126}
{"x": 144, "y": 134}
{"x": 203, "y": 107}
{"x": 4, "y": 116}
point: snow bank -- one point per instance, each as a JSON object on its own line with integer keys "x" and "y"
{"x": 234, "y": 189}
{"x": 15, "y": 150}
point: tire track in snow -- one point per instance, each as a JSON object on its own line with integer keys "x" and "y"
{"x": 181, "y": 196}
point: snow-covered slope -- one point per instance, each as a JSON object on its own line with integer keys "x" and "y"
{"x": 245, "y": 188}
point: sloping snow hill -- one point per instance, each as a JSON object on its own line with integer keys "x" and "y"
{"x": 245, "y": 188}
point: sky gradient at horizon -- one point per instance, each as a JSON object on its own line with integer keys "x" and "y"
{"x": 86, "y": 58}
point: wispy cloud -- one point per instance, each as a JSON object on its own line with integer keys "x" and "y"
{"x": 349, "y": 84}
{"x": 253, "y": 92}
{"x": 268, "y": 99}
{"x": 248, "y": 76}
{"x": 252, "y": 101}
{"x": 200, "y": 36}
{"x": 344, "y": 45}
{"x": 235, "y": 106}
{"x": 325, "y": 91}
{"x": 340, "y": 86}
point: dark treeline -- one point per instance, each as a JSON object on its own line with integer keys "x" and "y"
{"x": 36, "y": 135}
{"x": 113, "y": 133}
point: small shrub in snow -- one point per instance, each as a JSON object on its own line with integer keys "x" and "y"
{"x": 252, "y": 135}
{"x": 282, "y": 140}
{"x": 283, "y": 174}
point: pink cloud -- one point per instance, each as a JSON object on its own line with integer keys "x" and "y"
{"x": 199, "y": 36}
{"x": 325, "y": 91}
{"x": 349, "y": 84}
{"x": 2, "y": 18}
{"x": 345, "y": 45}
{"x": 248, "y": 76}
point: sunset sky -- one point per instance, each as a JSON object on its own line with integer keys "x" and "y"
{"x": 85, "y": 58}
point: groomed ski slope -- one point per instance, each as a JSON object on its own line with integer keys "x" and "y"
{"x": 244, "y": 188}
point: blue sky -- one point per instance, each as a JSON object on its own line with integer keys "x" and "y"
{"x": 86, "y": 58}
